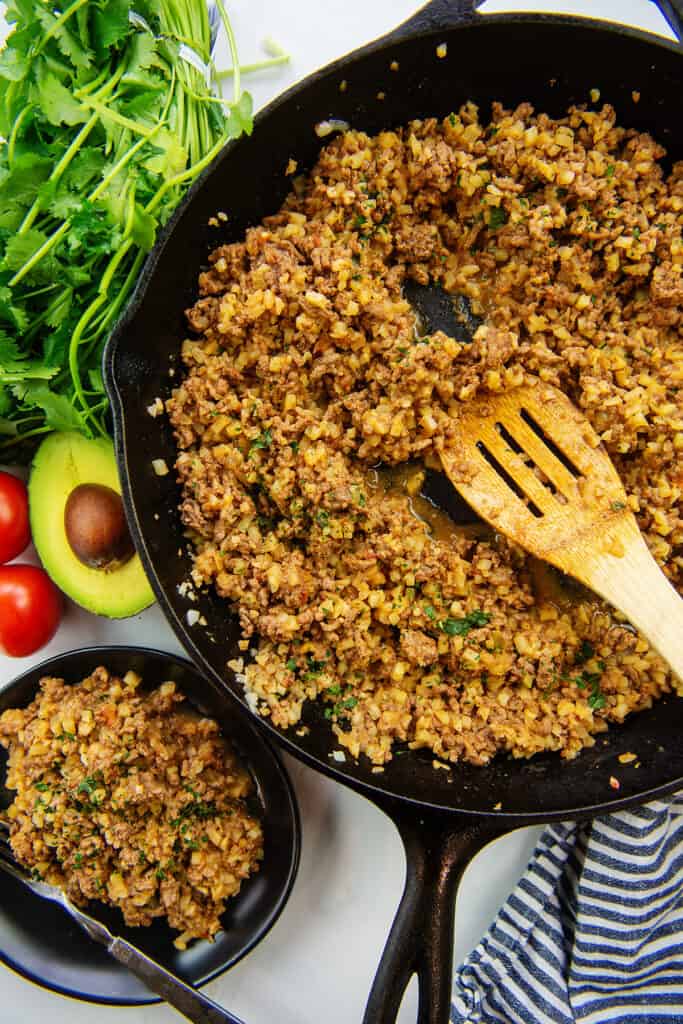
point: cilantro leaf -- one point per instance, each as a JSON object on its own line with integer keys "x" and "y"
{"x": 13, "y": 66}
{"x": 5, "y": 406}
{"x": 111, "y": 23}
{"x": 70, "y": 46}
{"x": 461, "y": 627}
{"x": 171, "y": 158}
{"x": 497, "y": 217}
{"x": 142, "y": 54}
{"x": 87, "y": 165}
{"x": 92, "y": 232}
{"x": 21, "y": 248}
{"x": 59, "y": 310}
{"x": 264, "y": 440}
{"x": 56, "y": 345}
{"x": 9, "y": 351}
{"x": 143, "y": 228}
{"x": 59, "y": 412}
{"x": 56, "y": 102}
{"x": 11, "y": 313}
{"x": 585, "y": 652}
{"x": 240, "y": 116}
{"x": 20, "y": 187}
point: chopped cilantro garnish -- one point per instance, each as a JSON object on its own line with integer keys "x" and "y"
{"x": 585, "y": 652}
{"x": 41, "y": 786}
{"x": 497, "y": 217}
{"x": 618, "y": 505}
{"x": 314, "y": 667}
{"x": 90, "y": 784}
{"x": 429, "y": 611}
{"x": 291, "y": 665}
{"x": 597, "y": 699}
{"x": 339, "y": 707}
{"x": 264, "y": 440}
{"x": 461, "y": 627}
{"x": 609, "y": 173}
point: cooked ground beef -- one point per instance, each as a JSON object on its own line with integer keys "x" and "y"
{"x": 310, "y": 368}
{"x": 127, "y": 797}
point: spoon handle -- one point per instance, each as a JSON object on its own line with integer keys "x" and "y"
{"x": 629, "y": 578}
{"x": 186, "y": 1000}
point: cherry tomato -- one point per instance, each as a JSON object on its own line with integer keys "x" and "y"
{"x": 30, "y": 609}
{"x": 15, "y": 532}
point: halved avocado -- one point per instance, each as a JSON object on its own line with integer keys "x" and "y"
{"x": 63, "y": 462}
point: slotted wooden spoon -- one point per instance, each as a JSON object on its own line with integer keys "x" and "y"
{"x": 574, "y": 513}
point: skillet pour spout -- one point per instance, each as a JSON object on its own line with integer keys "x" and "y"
{"x": 444, "y": 816}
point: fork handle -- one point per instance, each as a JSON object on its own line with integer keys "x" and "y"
{"x": 186, "y": 1000}
{"x": 636, "y": 585}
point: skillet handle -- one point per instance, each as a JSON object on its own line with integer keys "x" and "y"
{"x": 438, "y": 849}
{"x": 436, "y": 14}
{"x": 445, "y": 14}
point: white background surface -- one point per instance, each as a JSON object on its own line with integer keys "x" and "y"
{"x": 316, "y": 965}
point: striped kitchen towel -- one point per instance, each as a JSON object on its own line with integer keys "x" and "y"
{"x": 592, "y": 934}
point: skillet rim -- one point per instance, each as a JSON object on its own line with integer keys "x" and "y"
{"x": 410, "y": 30}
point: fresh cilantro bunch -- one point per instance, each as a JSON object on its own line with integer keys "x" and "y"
{"x": 106, "y": 118}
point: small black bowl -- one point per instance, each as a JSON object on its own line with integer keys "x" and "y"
{"x": 39, "y": 940}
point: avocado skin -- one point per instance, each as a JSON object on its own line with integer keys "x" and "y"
{"x": 64, "y": 460}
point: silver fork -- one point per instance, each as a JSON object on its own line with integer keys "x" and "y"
{"x": 186, "y": 1000}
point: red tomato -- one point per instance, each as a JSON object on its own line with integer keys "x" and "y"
{"x": 30, "y": 609}
{"x": 15, "y": 532}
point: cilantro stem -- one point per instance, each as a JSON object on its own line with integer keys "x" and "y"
{"x": 37, "y": 256}
{"x": 26, "y": 433}
{"x": 107, "y": 114}
{"x": 59, "y": 170}
{"x": 237, "y": 87}
{"x": 188, "y": 173}
{"x": 54, "y": 28}
{"x": 14, "y": 134}
{"x": 95, "y": 83}
{"x": 260, "y": 65}
{"x": 126, "y": 158}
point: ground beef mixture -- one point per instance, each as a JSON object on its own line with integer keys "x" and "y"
{"x": 307, "y": 368}
{"x": 126, "y": 796}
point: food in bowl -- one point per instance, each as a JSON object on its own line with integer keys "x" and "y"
{"x": 307, "y": 369}
{"x": 130, "y": 797}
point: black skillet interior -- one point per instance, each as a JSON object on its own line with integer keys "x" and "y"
{"x": 39, "y": 940}
{"x": 551, "y": 61}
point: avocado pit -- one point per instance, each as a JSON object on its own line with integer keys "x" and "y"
{"x": 96, "y": 528}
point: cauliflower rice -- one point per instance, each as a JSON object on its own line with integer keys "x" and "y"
{"x": 129, "y": 798}
{"x": 308, "y": 368}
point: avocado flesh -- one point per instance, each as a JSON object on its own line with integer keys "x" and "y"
{"x": 63, "y": 461}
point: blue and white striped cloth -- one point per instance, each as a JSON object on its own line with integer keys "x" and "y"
{"x": 593, "y": 933}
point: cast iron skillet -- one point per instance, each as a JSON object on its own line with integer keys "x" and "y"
{"x": 444, "y": 816}
{"x": 40, "y": 941}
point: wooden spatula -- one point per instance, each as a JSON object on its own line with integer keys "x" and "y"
{"x": 530, "y": 464}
